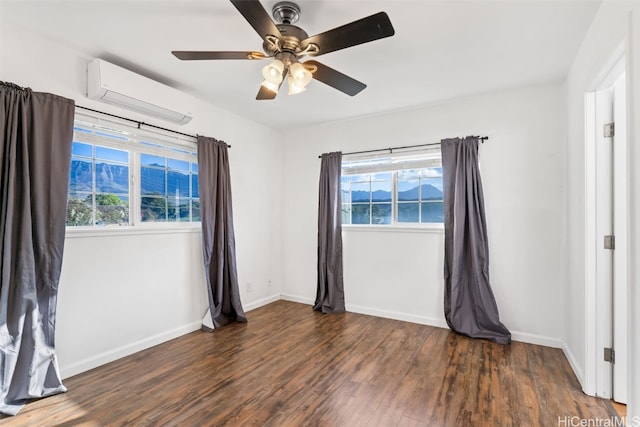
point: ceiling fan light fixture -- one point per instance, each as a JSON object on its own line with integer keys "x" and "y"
{"x": 294, "y": 87}
{"x": 287, "y": 44}
{"x": 300, "y": 75}
{"x": 272, "y": 73}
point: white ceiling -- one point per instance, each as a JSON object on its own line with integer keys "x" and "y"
{"x": 441, "y": 49}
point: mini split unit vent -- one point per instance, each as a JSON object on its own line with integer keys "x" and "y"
{"x": 117, "y": 86}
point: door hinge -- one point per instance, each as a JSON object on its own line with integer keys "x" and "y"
{"x": 609, "y": 242}
{"x": 609, "y": 130}
{"x": 609, "y": 355}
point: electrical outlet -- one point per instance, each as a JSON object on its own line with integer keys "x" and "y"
{"x": 269, "y": 284}
{"x": 249, "y": 287}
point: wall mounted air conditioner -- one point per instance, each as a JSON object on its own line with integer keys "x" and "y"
{"x": 115, "y": 85}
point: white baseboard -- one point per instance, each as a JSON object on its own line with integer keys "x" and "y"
{"x": 422, "y": 320}
{"x": 259, "y": 303}
{"x": 429, "y": 321}
{"x": 118, "y": 353}
{"x": 536, "y": 339}
{"x": 295, "y": 298}
{"x": 574, "y": 365}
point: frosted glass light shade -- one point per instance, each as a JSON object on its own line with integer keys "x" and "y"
{"x": 300, "y": 75}
{"x": 273, "y": 72}
{"x": 299, "y": 78}
{"x": 294, "y": 87}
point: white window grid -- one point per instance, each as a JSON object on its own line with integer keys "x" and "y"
{"x": 136, "y": 142}
{"x": 394, "y": 164}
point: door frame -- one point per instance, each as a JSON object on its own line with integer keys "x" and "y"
{"x": 598, "y": 311}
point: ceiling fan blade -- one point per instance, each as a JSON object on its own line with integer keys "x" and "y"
{"x": 190, "y": 55}
{"x": 265, "y": 93}
{"x": 336, "y": 79}
{"x": 364, "y": 30}
{"x": 257, "y": 16}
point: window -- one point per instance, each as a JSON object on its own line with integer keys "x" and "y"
{"x": 393, "y": 190}
{"x": 98, "y": 186}
{"x": 169, "y": 189}
{"x": 419, "y": 195}
{"x": 367, "y": 198}
{"x": 119, "y": 177}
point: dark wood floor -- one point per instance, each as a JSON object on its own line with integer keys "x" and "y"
{"x": 290, "y": 366}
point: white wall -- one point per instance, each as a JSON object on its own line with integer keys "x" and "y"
{"x": 120, "y": 293}
{"x": 607, "y": 33}
{"x": 399, "y": 274}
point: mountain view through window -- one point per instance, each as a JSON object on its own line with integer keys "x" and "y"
{"x": 392, "y": 196}
{"x": 101, "y": 192}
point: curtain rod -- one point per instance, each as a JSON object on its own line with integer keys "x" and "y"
{"x": 139, "y": 123}
{"x": 390, "y": 149}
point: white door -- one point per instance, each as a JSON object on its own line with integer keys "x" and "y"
{"x": 620, "y": 224}
{"x": 604, "y": 227}
{"x": 606, "y": 214}
{"x": 611, "y": 219}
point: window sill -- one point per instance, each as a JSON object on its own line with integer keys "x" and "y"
{"x": 81, "y": 232}
{"x": 432, "y": 228}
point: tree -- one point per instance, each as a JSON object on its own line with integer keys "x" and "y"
{"x": 78, "y": 212}
{"x": 110, "y": 209}
{"x": 107, "y": 200}
{"x": 153, "y": 207}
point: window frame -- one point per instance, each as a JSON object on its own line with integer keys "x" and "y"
{"x": 168, "y": 146}
{"x": 398, "y": 161}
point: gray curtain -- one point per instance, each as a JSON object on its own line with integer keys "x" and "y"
{"x": 469, "y": 305}
{"x": 330, "y": 292}
{"x": 35, "y": 156}
{"x": 218, "y": 237}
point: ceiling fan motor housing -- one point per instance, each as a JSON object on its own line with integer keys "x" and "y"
{"x": 290, "y": 41}
{"x": 286, "y": 12}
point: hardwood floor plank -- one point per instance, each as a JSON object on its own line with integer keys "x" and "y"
{"x": 291, "y": 366}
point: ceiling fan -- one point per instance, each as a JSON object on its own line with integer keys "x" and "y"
{"x": 286, "y": 44}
